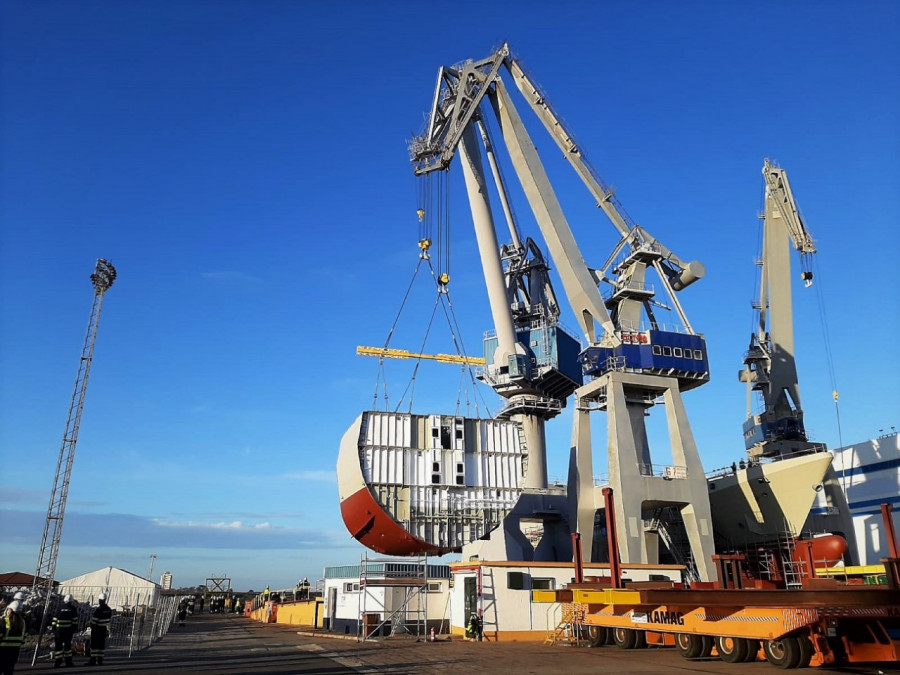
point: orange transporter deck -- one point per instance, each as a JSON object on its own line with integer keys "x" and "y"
{"x": 791, "y": 628}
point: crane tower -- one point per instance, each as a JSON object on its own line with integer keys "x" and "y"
{"x": 103, "y": 277}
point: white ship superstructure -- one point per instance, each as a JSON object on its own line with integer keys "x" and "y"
{"x": 869, "y": 473}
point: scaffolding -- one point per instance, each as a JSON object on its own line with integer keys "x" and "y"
{"x": 392, "y": 593}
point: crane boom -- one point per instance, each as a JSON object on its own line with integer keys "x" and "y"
{"x": 779, "y": 190}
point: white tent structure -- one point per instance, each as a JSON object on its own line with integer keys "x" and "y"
{"x": 123, "y": 589}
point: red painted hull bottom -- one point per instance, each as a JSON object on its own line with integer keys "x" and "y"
{"x": 374, "y": 528}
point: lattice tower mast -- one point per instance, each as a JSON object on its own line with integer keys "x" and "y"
{"x": 103, "y": 277}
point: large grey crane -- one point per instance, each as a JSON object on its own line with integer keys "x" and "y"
{"x": 634, "y": 360}
{"x": 769, "y": 366}
{"x": 774, "y": 428}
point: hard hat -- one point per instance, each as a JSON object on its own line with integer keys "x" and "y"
{"x": 15, "y": 606}
{"x": 68, "y": 598}
{"x": 102, "y": 597}
{"x": 19, "y": 596}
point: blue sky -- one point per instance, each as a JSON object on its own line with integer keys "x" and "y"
{"x": 244, "y": 166}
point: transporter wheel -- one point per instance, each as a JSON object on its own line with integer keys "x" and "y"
{"x": 732, "y": 649}
{"x": 626, "y": 638}
{"x": 752, "y": 650}
{"x": 784, "y": 653}
{"x": 692, "y": 646}
{"x": 597, "y": 636}
{"x": 807, "y": 649}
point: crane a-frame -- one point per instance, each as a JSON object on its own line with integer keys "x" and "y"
{"x": 635, "y": 361}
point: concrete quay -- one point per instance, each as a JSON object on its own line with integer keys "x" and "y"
{"x": 219, "y": 644}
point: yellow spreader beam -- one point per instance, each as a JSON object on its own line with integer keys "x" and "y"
{"x": 403, "y": 354}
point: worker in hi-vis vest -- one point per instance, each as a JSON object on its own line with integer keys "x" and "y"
{"x": 64, "y": 625}
{"x": 99, "y": 630}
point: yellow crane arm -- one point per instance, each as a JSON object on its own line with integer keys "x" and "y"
{"x": 403, "y": 354}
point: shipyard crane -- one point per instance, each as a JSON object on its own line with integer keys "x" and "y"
{"x": 769, "y": 366}
{"x": 774, "y": 428}
{"x": 633, "y": 359}
{"x": 102, "y": 279}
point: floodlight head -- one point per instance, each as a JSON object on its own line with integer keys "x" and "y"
{"x": 104, "y": 275}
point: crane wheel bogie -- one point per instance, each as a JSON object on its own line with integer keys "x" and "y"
{"x": 627, "y": 638}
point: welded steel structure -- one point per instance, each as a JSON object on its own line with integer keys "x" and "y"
{"x": 428, "y": 484}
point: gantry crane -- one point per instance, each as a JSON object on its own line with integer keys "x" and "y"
{"x": 103, "y": 277}
{"x": 634, "y": 360}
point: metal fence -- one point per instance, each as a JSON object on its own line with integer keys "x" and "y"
{"x": 136, "y": 623}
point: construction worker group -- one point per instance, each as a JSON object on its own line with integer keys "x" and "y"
{"x": 13, "y": 629}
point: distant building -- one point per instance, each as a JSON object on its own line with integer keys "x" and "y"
{"x": 10, "y": 582}
{"x": 166, "y": 581}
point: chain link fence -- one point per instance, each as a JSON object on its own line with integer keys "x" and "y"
{"x": 140, "y": 618}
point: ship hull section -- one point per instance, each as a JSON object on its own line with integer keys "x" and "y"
{"x": 766, "y": 501}
{"x": 428, "y": 484}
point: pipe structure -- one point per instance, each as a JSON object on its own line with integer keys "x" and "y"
{"x": 577, "y": 558}
{"x": 488, "y": 248}
{"x": 889, "y": 531}
{"x": 615, "y": 564}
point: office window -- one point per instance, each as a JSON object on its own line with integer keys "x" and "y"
{"x": 515, "y": 580}
{"x": 543, "y": 584}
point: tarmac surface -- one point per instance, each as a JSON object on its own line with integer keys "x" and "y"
{"x": 219, "y": 644}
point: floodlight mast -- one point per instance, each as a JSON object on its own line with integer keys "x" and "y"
{"x": 102, "y": 279}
